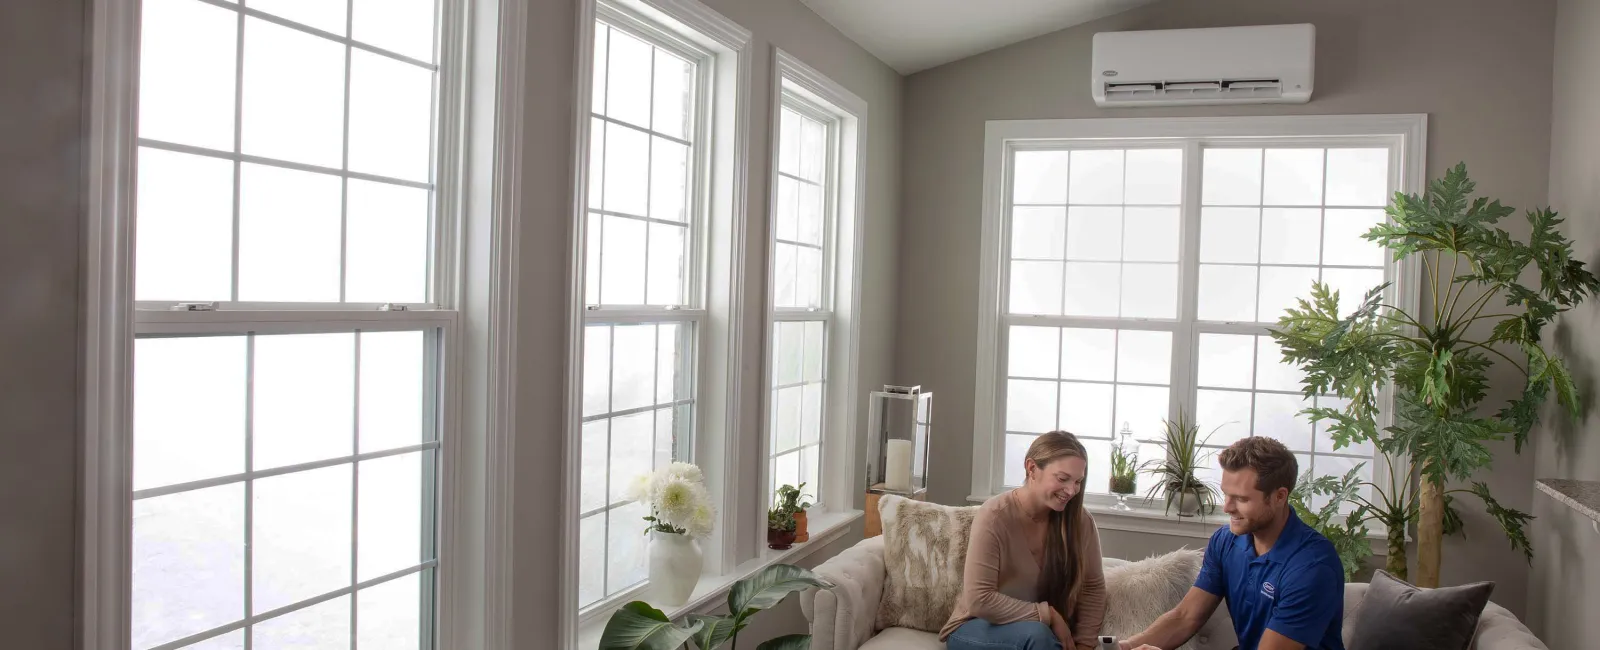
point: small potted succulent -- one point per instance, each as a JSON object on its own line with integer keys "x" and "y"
{"x": 780, "y": 528}
{"x": 789, "y": 498}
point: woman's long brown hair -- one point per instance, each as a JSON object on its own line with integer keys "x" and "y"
{"x": 1060, "y": 582}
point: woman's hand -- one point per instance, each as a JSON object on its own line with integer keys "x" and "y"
{"x": 1058, "y": 625}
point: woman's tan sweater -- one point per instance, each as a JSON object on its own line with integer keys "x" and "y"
{"x": 1000, "y": 583}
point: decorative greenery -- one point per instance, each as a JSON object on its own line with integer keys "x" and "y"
{"x": 1347, "y": 531}
{"x": 1437, "y": 361}
{"x": 789, "y": 498}
{"x": 678, "y": 499}
{"x": 638, "y": 626}
{"x": 1175, "y": 474}
{"x": 780, "y": 520}
{"x": 1123, "y": 468}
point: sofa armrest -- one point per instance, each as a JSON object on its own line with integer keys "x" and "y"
{"x": 1499, "y": 629}
{"x": 842, "y": 618}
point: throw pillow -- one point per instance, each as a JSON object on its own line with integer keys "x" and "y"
{"x": 1138, "y": 593}
{"x": 924, "y": 554}
{"x": 1398, "y": 616}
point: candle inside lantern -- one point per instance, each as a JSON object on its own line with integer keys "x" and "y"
{"x": 897, "y": 468}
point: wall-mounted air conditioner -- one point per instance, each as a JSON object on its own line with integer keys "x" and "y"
{"x": 1263, "y": 64}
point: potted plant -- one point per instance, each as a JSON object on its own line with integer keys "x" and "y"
{"x": 1438, "y": 360}
{"x": 780, "y": 528}
{"x": 1124, "y": 466}
{"x": 638, "y": 626}
{"x": 1175, "y": 474}
{"x": 789, "y": 498}
{"x": 680, "y": 514}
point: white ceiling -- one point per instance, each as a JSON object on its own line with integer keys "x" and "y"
{"x": 914, "y": 35}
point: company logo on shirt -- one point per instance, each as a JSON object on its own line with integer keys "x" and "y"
{"x": 1269, "y": 591}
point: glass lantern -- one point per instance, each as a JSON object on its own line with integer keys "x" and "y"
{"x": 899, "y": 422}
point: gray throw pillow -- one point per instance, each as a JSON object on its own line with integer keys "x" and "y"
{"x": 1398, "y": 616}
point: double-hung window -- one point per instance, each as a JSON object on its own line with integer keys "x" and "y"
{"x": 1136, "y": 266}
{"x": 814, "y": 292}
{"x": 295, "y": 321}
{"x": 802, "y": 290}
{"x": 645, "y": 279}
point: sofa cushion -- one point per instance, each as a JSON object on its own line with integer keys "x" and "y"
{"x": 899, "y": 638}
{"x": 1392, "y": 608}
{"x": 1137, "y": 593}
{"x": 925, "y": 548}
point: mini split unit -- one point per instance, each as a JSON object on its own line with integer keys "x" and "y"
{"x": 1265, "y": 64}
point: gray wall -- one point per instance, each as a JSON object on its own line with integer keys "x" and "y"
{"x": 1564, "y": 591}
{"x": 42, "y": 66}
{"x": 1480, "y": 69}
{"x": 544, "y": 260}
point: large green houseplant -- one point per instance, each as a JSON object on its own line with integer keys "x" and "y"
{"x": 638, "y": 626}
{"x": 1437, "y": 361}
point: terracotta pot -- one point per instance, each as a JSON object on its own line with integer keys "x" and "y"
{"x": 800, "y": 534}
{"x": 780, "y": 540}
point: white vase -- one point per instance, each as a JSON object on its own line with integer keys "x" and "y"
{"x": 675, "y": 564}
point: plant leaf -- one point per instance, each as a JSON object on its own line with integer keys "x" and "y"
{"x": 1512, "y": 521}
{"x": 714, "y": 630}
{"x": 769, "y": 587}
{"x": 787, "y": 642}
{"x": 638, "y": 626}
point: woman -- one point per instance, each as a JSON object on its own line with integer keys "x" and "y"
{"x": 1033, "y": 579}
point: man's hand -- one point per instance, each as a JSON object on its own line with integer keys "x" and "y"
{"x": 1058, "y": 625}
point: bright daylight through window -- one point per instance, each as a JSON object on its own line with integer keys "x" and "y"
{"x": 644, "y": 289}
{"x": 1129, "y": 294}
{"x": 294, "y": 324}
{"x": 801, "y": 292}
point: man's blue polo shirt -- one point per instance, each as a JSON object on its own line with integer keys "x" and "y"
{"x": 1296, "y": 589}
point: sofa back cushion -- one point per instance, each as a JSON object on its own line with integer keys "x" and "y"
{"x": 1137, "y": 593}
{"x": 924, "y": 555}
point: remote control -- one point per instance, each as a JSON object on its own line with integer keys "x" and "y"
{"x": 1108, "y": 642}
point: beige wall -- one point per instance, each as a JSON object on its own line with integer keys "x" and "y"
{"x": 1565, "y": 588}
{"x": 544, "y": 260}
{"x": 41, "y": 187}
{"x": 1480, "y": 69}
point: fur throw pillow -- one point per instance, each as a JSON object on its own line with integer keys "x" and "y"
{"x": 924, "y": 556}
{"x": 1138, "y": 593}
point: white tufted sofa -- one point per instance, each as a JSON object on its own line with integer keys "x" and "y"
{"x": 842, "y": 617}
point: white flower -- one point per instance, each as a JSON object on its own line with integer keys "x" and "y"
{"x": 685, "y": 472}
{"x": 676, "y": 501}
{"x": 702, "y": 521}
{"x": 640, "y": 489}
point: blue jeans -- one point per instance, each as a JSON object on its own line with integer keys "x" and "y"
{"x": 978, "y": 634}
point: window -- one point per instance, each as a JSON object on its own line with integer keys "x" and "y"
{"x": 1144, "y": 264}
{"x": 801, "y": 299}
{"x": 295, "y": 324}
{"x": 814, "y": 289}
{"x": 644, "y": 284}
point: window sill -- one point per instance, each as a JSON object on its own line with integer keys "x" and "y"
{"x": 1153, "y": 519}
{"x": 825, "y": 528}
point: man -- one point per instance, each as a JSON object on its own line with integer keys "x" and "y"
{"x": 1283, "y": 580}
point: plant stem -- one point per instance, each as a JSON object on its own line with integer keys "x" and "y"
{"x": 1486, "y": 346}
{"x": 1433, "y": 284}
{"x": 1455, "y": 289}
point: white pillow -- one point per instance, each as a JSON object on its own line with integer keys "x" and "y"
{"x": 1137, "y": 593}
{"x": 924, "y": 554}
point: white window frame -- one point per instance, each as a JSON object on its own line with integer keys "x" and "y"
{"x": 1404, "y": 134}
{"x": 844, "y": 232}
{"x": 719, "y": 196}
{"x": 471, "y": 64}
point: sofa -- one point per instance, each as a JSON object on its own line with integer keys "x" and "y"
{"x": 843, "y": 617}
